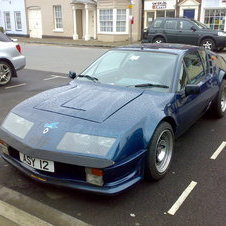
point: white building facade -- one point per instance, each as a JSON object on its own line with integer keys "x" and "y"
{"x": 155, "y": 8}
{"x": 213, "y": 13}
{"x": 13, "y": 17}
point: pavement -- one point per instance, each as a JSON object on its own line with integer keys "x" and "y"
{"x": 70, "y": 42}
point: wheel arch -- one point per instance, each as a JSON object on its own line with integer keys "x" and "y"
{"x": 159, "y": 36}
{"x": 171, "y": 121}
{"x": 206, "y": 37}
{"x": 10, "y": 63}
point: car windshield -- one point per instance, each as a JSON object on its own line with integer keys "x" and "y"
{"x": 4, "y": 38}
{"x": 143, "y": 69}
{"x": 200, "y": 25}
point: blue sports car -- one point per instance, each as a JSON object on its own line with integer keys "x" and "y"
{"x": 116, "y": 122}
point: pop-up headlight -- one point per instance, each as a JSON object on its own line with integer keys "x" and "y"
{"x": 17, "y": 125}
{"x": 86, "y": 144}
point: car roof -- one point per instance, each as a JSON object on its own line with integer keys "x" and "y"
{"x": 160, "y": 47}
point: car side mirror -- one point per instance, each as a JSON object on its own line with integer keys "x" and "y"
{"x": 192, "y": 89}
{"x": 72, "y": 75}
{"x": 193, "y": 28}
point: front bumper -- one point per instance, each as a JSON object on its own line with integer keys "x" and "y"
{"x": 220, "y": 41}
{"x": 116, "y": 178}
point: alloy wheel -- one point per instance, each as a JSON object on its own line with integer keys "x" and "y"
{"x": 5, "y": 74}
{"x": 164, "y": 149}
{"x": 223, "y": 100}
{"x": 207, "y": 45}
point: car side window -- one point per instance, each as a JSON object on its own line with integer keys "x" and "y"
{"x": 204, "y": 58}
{"x": 171, "y": 24}
{"x": 183, "y": 78}
{"x": 157, "y": 23}
{"x": 185, "y": 25}
{"x": 194, "y": 67}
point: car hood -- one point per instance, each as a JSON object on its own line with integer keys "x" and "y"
{"x": 94, "y": 102}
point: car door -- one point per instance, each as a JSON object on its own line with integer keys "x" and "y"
{"x": 193, "y": 72}
{"x": 170, "y": 30}
{"x": 186, "y": 34}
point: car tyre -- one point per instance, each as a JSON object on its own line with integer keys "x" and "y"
{"x": 160, "y": 152}
{"x": 218, "y": 106}
{"x": 159, "y": 40}
{"x": 6, "y": 72}
{"x": 208, "y": 44}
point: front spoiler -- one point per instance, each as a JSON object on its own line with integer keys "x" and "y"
{"x": 108, "y": 189}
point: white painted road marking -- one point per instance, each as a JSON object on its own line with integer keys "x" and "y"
{"x": 182, "y": 198}
{"x": 218, "y": 151}
{"x": 15, "y": 86}
{"x": 19, "y": 216}
{"x": 54, "y": 77}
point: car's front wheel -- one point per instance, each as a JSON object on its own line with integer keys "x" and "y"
{"x": 159, "y": 40}
{"x": 6, "y": 72}
{"x": 160, "y": 152}
{"x": 218, "y": 106}
{"x": 208, "y": 44}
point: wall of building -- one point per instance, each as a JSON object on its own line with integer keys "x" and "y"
{"x": 47, "y": 14}
{"x": 13, "y": 6}
{"x": 121, "y": 4}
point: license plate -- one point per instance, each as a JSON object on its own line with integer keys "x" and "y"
{"x": 40, "y": 164}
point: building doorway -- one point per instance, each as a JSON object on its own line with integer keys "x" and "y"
{"x": 189, "y": 13}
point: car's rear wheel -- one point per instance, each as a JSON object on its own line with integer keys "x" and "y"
{"x": 218, "y": 106}
{"x": 6, "y": 72}
{"x": 159, "y": 40}
{"x": 160, "y": 152}
{"x": 208, "y": 44}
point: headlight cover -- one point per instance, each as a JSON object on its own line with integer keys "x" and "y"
{"x": 220, "y": 33}
{"x": 17, "y": 125}
{"x": 86, "y": 144}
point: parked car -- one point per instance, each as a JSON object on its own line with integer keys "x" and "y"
{"x": 11, "y": 59}
{"x": 117, "y": 121}
{"x": 186, "y": 31}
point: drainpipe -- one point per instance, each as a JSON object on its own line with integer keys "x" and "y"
{"x": 142, "y": 19}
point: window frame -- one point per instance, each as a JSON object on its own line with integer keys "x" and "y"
{"x": 16, "y": 21}
{"x": 114, "y": 22}
{"x": 5, "y": 21}
{"x": 56, "y": 29}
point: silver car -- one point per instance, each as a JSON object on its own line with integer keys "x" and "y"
{"x": 11, "y": 59}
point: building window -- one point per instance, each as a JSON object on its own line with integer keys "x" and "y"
{"x": 7, "y": 21}
{"x": 58, "y": 17}
{"x": 106, "y": 20}
{"x": 121, "y": 20}
{"x": 113, "y": 21}
{"x": 215, "y": 18}
{"x": 18, "y": 22}
{"x": 165, "y": 13}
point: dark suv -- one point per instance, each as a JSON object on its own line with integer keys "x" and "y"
{"x": 184, "y": 30}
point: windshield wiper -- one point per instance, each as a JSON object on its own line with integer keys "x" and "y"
{"x": 88, "y": 77}
{"x": 151, "y": 85}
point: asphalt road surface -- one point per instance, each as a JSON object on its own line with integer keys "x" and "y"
{"x": 194, "y": 176}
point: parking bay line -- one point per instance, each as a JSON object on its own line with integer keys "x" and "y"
{"x": 15, "y": 86}
{"x": 218, "y": 151}
{"x": 54, "y": 77}
{"x": 182, "y": 198}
